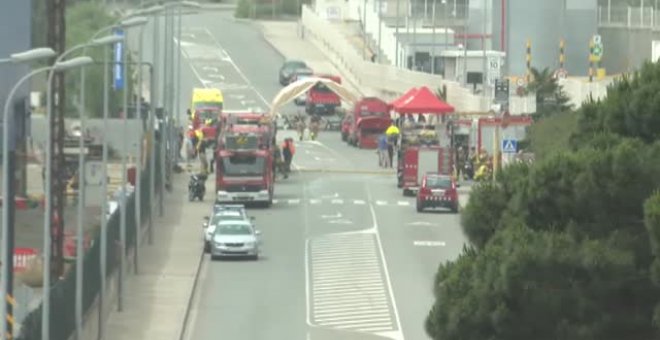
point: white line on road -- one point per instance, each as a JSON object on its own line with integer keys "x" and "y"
{"x": 294, "y": 201}
{"x": 403, "y": 203}
{"x": 359, "y": 202}
{"x": 315, "y": 201}
{"x": 421, "y": 223}
{"x": 341, "y": 222}
{"x": 381, "y": 202}
{"x": 275, "y": 201}
{"x": 429, "y": 243}
{"x": 337, "y": 201}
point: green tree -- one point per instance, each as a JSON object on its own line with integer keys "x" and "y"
{"x": 550, "y": 97}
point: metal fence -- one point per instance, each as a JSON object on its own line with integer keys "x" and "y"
{"x": 628, "y": 17}
{"x": 62, "y": 299}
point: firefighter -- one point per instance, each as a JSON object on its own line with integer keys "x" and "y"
{"x": 392, "y": 134}
{"x": 288, "y": 150}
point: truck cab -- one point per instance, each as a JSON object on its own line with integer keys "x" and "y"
{"x": 244, "y": 171}
{"x": 417, "y": 160}
{"x": 321, "y": 99}
{"x": 370, "y": 119}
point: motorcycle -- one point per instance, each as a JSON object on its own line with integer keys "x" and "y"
{"x": 196, "y": 187}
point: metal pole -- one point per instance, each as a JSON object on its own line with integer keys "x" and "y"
{"x": 45, "y": 311}
{"x": 176, "y": 150}
{"x": 124, "y": 180}
{"x": 8, "y": 209}
{"x": 414, "y": 44}
{"x": 396, "y": 33}
{"x": 380, "y": 29}
{"x": 138, "y": 165}
{"x": 81, "y": 209}
{"x": 154, "y": 105}
{"x": 104, "y": 190}
{"x": 433, "y": 38}
{"x": 484, "y": 56}
{"x": 465, "y": 46}
{"x": 166, "y": 96}
{"x": 364, "y": 30}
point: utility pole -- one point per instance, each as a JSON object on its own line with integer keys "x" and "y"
{"x": 57, "y": 41}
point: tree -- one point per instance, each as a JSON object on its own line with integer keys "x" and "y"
{"x": 529, "y": 284}
{"x": 550, "y": 97}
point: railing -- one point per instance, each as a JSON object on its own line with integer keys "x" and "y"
{"x": 628, "y": 17}
{"x": 389, "y": 81}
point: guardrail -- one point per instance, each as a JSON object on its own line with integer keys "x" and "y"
{"x": 388, "y": 81}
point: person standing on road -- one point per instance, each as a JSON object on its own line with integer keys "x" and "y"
{"x": 392, "y": 134}
{"x": 383, "y": 148}
{"x": 288, "y": 150}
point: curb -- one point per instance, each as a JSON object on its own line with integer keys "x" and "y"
{"x": 184, "y": 325}
{"x": 219, "y": 7}
{"x": 263, "y": 29}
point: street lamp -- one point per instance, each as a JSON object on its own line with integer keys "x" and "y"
{"x": 7, "y": 171}
{"x": 29, "y": 55}
{"x": 45, "y": 316}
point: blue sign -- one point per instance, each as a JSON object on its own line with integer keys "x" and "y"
{"x": 118, "y": 74}
{"x": 509, "y": 146}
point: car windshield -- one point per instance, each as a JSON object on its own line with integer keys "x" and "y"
{"x": 226, "y": 217}
{"x": 291, "y": 65}
{"x": 436, "y": 182}
{"x": 233, "y": 229}
{"x": 320, "y": 87}
{"x": 242, "y": 165}
{"x": 208, "y": 106}
{"x": 207, "y": 113}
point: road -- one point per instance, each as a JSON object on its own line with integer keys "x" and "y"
{"x": 345, "y": 256}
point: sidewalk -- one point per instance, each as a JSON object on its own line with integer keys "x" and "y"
{"x": 285, "y": 37}
{"x": 156, "y": 299}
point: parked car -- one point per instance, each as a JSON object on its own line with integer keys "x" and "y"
{"x": 235, "y": 239}
{"x": 437, "y": 191}
{"x": 210, "y": 224}
{"x": 217, "y": 207}
{"x": 289, "y": 68}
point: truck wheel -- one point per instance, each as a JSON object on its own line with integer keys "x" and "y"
{"x": 420, "y": 206}
{"x": 344, "y": 137}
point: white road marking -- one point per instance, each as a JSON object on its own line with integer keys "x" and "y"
{"x": 338, "y": 215}
{"x": 359, "y": 202}
{"x": 403, "y": 203}
{"x": 381, "y": 203}
{"x": 421, "y": 223}
{"x": 275, "y": 201}
{"x": 337, "y": 201}
{"x": 294, "y": 201}
{"x": 340, "y": 222}
{"x": 314, "y": 201}
{"x": 429, "y": 243}
{"x": 346, "y": 284}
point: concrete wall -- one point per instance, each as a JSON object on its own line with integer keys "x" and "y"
{"x": 16, "y": 36}
{"x": 544, "y": 23}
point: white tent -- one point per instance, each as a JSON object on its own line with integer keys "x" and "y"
{"x": 295, "y": 89}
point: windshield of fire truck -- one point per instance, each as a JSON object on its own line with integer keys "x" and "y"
{"x": 320, "y": 87}
{"x": 207, "y": 113}
{"x": 242, "y": 165}
{"x": 213, "y": 106}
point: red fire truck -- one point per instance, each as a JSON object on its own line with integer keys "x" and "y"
{"x": 321, "y": 99}
{"x": 369, "y": 120}
{"x": 244, "y": 171}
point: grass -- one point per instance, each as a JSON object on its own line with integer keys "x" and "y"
{"x": 552, "y": 134}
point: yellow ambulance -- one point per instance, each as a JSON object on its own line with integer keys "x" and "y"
{"x": 206, "y": 104}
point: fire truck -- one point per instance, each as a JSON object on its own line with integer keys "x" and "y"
{"x": 321, "y": 99}
{"x": 251, "y": 123}
{"x": 419, "y": 153}
{"x": 244, "y": 170}
{"x": 369, "y": 120}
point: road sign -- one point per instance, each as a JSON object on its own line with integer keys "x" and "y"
{"x": 502, "y": 90}
{"x": 509, "y": 145}
{"x": 597, "y": 39}
{"x": 118, "y": 69}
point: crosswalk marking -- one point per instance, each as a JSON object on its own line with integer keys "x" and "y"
{"x": 359, "y": 202}
{"x": 347, "y": 284}
{"x": 315, "y": 201}
{"x": 294, "y": 201}
{"x": 381, "y": 203}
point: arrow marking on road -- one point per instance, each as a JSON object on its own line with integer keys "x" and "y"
{"x": 429, "y": 243}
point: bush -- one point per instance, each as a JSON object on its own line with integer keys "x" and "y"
{"x": 243, "y": 9}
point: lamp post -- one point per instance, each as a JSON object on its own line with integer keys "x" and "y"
{"x": 8, "y": 185}
{"x": 58, "y": 66}
{"x": 49, "y": 165}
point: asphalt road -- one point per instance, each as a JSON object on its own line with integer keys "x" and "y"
{"x": 344, "y": 256}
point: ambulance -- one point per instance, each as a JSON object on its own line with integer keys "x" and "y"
{"x": 206, "y": 105}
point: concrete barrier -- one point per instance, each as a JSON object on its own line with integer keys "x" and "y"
{"x": 388, "y": 81}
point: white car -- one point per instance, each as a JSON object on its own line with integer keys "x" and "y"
{"x": 220, "y": 216}
{"x": 235, "y": 239}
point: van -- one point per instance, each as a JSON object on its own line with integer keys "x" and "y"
{"x": 206, "y": 104}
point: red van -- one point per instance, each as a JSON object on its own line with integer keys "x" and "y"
{"x": 437, "y": 191}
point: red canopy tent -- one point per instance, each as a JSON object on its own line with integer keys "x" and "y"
{"x": 422, "y": 101}
{"x": 405, "y": 96}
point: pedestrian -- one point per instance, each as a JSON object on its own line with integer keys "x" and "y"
{"x": 383, "y": 148}
{"x": 288, "y": 150}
